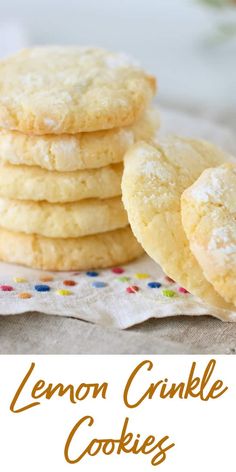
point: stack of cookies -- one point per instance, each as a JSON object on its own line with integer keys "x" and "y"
{"x": 67, "y": 116}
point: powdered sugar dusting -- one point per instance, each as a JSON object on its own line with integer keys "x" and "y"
{"x": 149, "y": 198}
{"x": 152, "y": 169}
{"x": 213, "y": 190}
{"x": 201, "y": 194}
{"x": 66, "y": 146}
{"x": 221, "y": 241}
{"x": 32, "y": 80}
{"x": 50, "y": 123}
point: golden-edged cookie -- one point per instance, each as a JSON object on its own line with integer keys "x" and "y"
{"x": 89, "y": 252}
{"x": 209, "y": 220}
{"x": 34, "y": 183}
{"x": 73, "y": 152}
{"x": 63, "y": 220}
{"x": 154, "y": 178}
{"x": 58, "y": 90}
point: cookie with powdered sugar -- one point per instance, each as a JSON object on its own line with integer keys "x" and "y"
{"x": 209, "y": 219}
{"x": 63, "y": 220}
{"x": 155, "y": 176}
{"x": 56, "y": 89}
{"x": 95, "y": 251}
{"x": 35, "y": 183}
{"x": 66, "y": 153}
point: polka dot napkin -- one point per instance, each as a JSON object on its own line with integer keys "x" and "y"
{"x": 118, "y": 297}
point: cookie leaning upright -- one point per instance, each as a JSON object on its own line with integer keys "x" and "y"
{"x": 209, "y": 220}
{"x": 155, "y": 175}
{"x": 70, "y": 90}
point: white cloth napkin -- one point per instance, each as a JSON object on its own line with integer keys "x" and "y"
{"x": 118, "y": 297}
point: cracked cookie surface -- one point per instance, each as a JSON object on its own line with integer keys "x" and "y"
{"x": 66, "y": 153}
{"x": 88, "y": 252}
{"x": 63, "y": 220}
{"x": 54, "y": 90}
{"x": 209, "y": 219}
{"x": 34, "y": 183}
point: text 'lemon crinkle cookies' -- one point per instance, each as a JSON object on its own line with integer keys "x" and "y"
{"x": 67, "y": 116}
{"x": 155, "y": 176}
{"x": 209, "y": 220}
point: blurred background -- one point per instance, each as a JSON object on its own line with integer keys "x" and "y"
{"x": 190, "y": 45}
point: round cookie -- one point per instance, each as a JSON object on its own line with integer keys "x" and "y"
{"x": 155, "y": 176}
{"x": 65, "y": 153}
{"x": 34, "y": 183}
{"x": 89, "y": 252}
{"x": 209, "y": 220}
{"x": 63, "y": 220}
{"x": 58, "y": 90}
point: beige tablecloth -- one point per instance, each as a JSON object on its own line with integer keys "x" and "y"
{"x": 25, "y": 334}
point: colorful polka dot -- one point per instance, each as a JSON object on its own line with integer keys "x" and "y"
{"x": 92, "y": 273}
{"x": 142, "y": 276}
{"x": 182, "y": 290}
{"x": 24, "y": 295}
{"x": 42, "y": 288}
{"x": 64, "y": 292}
{"x": 117, "y": 270}
{"x": 19, "y": 280}
{"x": 132, "y": 289}
{"x": 69, "y": 283}
{"x": 6, "y": 288}
{"x": 154, "y": 284}
{"x": 99, "y": 284}
{"x": 123, "y": 279}
{"x": 46, "y": 278}
{"x": 168, "y": 279}
{"x": 168, "y": 293}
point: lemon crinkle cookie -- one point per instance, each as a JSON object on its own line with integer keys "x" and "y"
{"x": 155, "y": 176}
{"x": 58, "y": 90}
{"x": 209, "y": 219}
{"x": 94, "y": 251}
{"x": 34, "y": 183}
{"x": 67, "y": 152}
{"x": 63, "y": 220}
